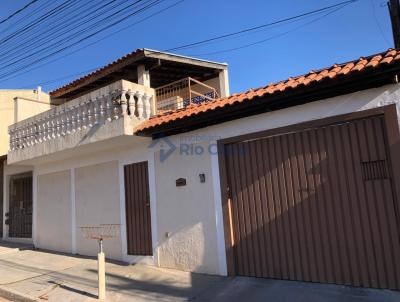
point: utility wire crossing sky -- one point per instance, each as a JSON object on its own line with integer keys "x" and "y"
{"x": 50, "y": 42}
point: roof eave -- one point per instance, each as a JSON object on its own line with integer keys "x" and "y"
{"x": 132, "y": 58}
{"x": 96, "y": 75}
{"x": 296, "y": 96}
{"x": 150, "y": 53}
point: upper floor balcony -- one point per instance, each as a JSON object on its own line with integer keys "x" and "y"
{"x": 102, "y": 110}
{"x": 182, "y": 93}
{"x": 107, "y": 113}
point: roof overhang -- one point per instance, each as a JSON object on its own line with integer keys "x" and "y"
{"x": 164, "y": 68}
{"x": 319, "y": 90}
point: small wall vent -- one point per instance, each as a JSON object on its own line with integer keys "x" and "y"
{"x": 374, "y": 169}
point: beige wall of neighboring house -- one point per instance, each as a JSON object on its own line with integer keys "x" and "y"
{"x": 16, "y": 105}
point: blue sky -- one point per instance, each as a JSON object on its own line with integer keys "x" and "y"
{"x": 360, "y": 29}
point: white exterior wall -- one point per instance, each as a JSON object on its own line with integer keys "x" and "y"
{"x": 54, "y": 212}
{"x": 187, "y": 237}
{"x": 178, "y": 209}
{"x": 96, "y": 195}
{"x": 191, "y": 216}
{"x": 97, "y": 202}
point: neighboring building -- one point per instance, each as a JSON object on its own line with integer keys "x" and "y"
{"x": 304, "y": 186}
{"x": 17, "y": 105}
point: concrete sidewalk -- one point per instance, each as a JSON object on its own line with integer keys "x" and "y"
{"x": 29, "y": 275}
{"x": 50, "y": 276}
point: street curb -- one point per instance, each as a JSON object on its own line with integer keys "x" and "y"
{"x": 13, "y": 295}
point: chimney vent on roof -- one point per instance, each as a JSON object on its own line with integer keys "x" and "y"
{"x": 39, "y": 93}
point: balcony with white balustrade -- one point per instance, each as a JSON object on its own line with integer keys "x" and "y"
{"x": 100, "y": 119}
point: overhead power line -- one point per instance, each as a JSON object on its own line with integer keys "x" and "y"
{"x": 57, "y": 10}
{"x": 36, "y": 57}
{"x": 250, "y": 29}
{"x": 18, "y": 11}
{"x": 90, "y": 44}
{"x": 58, "y": 30}
{"x": 26, "y": 17}
{"x": 327, "y": 10}
{"x": 273, "y": 36}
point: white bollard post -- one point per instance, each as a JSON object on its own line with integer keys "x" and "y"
{"x": 101, "y": 272}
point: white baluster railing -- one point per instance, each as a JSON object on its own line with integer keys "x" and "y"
{"x": 121, "y": 99}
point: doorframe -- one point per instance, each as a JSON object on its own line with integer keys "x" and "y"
{"x": 6, "y": 206}
{"x": 151, "y": 260}
{"x": 392, "y": 127}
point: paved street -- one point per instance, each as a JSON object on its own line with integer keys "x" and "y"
{"x": 55, "y": 277}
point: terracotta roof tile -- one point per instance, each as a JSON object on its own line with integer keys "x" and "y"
{"x": 97, "y": 71}
{"x": 337, "y": 70}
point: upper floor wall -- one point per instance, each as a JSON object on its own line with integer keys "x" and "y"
{"x": 101, "y": 119}
{"x": 103, "y": 108}
{"x": 17, "y": 105}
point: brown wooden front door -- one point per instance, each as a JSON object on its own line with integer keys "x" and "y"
{"x": 20, "y": 206}
{"x": 315, "y": 205}
{"x": 137, "y": 207}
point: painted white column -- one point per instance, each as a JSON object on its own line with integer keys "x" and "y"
{"x": 124, "y": 103}
{"x": 109, "y": 107}
{"x": 131, "y": 104}
{"x": 147, "y": 105}
{"x": 143, "y": 76}
{"x": 224, "y": 83}
{"x": 139, "y": 104}
{"x": 222, "y": 266}
{"x": 153, "y": 206}
{"x": 73, "y": 211}
{"x": 124, "y": 245}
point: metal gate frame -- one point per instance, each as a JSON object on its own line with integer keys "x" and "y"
{"x": 21, "y": 229}
{"x": 392, "y": 127}
{"x": 2, "y": 160}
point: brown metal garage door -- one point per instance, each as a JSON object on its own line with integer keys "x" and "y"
{"x": 315, "y": 205}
